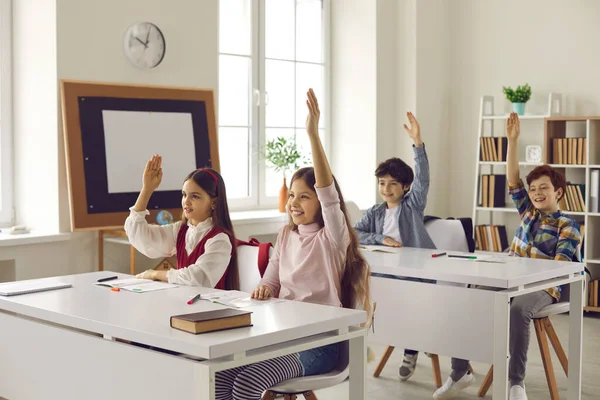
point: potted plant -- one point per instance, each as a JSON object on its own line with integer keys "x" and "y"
{"x": 518, "y": 97}
{"x": 283, "y": 156}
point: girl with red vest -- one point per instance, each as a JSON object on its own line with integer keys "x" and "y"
{"x": 203, "y": 240}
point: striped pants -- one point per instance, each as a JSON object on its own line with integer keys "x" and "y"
{"x": 250, "y": 381}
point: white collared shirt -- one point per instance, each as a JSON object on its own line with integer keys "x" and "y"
{"x": 156, "y": 241}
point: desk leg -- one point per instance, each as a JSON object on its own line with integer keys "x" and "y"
{"x": 358, "y": 368}
{"x": 205, "y": 383}
{"x": 501, "y": 329}
{"x": 575, "y": 340}
{"x": 100, "y": 250}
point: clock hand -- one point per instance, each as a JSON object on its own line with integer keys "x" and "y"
{"x": 145, "y": 44}
{"x": 148, "y": 35}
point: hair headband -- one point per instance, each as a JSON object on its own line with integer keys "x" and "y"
{"x": 211, "y": 174}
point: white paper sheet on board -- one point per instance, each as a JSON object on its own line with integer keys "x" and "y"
{"x": 132, "y": 137}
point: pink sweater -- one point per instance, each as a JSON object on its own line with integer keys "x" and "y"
{"x": 308, "y": 265}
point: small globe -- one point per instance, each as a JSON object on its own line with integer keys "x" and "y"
{"x": 164, "y": 217}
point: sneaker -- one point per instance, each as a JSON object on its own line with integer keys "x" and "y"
{"x": 451, "y": 388}
{"x": 517, "y": 392}
{"x": 407, "y": 369}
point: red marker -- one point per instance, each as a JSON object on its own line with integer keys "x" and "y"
{"x": 193, "y": 299}
{"x": 438, "y": 255}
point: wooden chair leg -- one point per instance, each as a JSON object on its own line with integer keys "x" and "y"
{"x": 540, "y": 331}
{"x": 383, "y": 361}
{"x": 268, "y": 395}
{"x": 560, "y": 352}
{"x": 470, "y": 368}
{"x": 435, "y": 366}
{"x": 487, "y": 382}
{"x": 289, "y": 397}
{"x": 309, "y": 395}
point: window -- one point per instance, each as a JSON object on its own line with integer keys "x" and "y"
{"x": 271, "y": 52}
{"x": 6, "y": 190}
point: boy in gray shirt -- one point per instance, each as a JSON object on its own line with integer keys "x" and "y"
{"x": 398, "y": 221}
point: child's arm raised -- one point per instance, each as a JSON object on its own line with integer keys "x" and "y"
{"x": 334, "y": 219}
{"x": 420, "y": 185}
{"x": 151, "y": 240}
{"x": 513, "y": 128}
{"x": 323, "y": 176}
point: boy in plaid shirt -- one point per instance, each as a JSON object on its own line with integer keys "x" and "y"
{"x": 545, "y": 232}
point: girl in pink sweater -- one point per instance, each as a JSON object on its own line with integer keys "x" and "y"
{"x": 316, "y": 259}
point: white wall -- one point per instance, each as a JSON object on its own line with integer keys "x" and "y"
{"x": 83, "y": 39}
{"x": 354, "y": 98}
{"x": 548, "y": 44}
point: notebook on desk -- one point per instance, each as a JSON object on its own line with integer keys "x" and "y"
{"x": 26, "y": 287}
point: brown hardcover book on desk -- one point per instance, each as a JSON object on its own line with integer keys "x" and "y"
{"x": 210, "y": 321}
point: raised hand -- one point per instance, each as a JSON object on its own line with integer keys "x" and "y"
{"x": 414, "y": 131}
{"x": 312, "y": 119}
{"x": 152, "y": 174}
{"x": 513, "y": 126}
{"x": 261, "y": 293}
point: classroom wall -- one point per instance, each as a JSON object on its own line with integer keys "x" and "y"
{"x": 549, "y": 44}
{"x": 83, "y": 39}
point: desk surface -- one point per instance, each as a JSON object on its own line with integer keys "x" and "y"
{"x": 144, "y": 317}
{"x": 511, "y": 272}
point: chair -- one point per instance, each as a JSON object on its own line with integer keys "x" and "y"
{"x": 354, "y": 212}
{"x": 543, "y": 327}
{"x": 447, "y": 234}
{"x": 249, "y": 271}
{"x": 305, "y": 385}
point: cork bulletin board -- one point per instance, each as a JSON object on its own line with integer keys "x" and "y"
{"x": 111, "y": 130}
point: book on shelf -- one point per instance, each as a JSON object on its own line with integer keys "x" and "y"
{"x": 573, "y": 199}
{"x": 493, "y": 190}
{"x": 493, "y": 149}
{"x": 491, "y": 238}
{"x": 211, "y": 321}
{"x": 569, "y": 151}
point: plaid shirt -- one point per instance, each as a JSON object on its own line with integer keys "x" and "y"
{"x": 551, "y": 237}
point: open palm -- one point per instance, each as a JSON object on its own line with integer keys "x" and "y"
{"x": 513, "y": 126}
{"x": 152, "y": 173}
{"x": 312, "y": 119}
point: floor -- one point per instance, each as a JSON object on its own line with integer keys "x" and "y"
{"x": 421, "y": 386}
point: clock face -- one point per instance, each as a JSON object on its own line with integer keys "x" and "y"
{"x": 533, "y": 154}
{"x": 144, "y": 45}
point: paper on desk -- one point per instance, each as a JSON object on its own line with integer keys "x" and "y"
{"x": 236, "y": 299}
{"x": 380, "y": 249}
{"x": 149, "y": 287}
{"x": 137, "y": 285}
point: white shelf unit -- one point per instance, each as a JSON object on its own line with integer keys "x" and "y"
{"x": 554, "y": 126}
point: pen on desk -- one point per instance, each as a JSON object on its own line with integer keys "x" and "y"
{"x": 438, "y": 255}
{"x": 110, "y": 278}
{"x": 460, "y": 256}
{"x": 193, "y": 299}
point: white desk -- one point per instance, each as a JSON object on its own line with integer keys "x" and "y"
{"x": 463, "y": 322}
{"x": 41, "y": 341}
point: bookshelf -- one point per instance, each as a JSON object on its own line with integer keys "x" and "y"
{"x": 580, "y": 135}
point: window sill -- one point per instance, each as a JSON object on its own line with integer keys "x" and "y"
{"x": 34, "y": 237}
{"x": 257, "y": 217}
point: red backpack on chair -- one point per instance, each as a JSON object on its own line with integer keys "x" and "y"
{"x": 252, "y": 262}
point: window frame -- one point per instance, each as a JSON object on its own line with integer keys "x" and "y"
{"x": 257, "y": 198}
{"x": 6, "y": 145}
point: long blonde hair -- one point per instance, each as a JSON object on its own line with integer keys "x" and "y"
{"x": 355, "y": 286}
